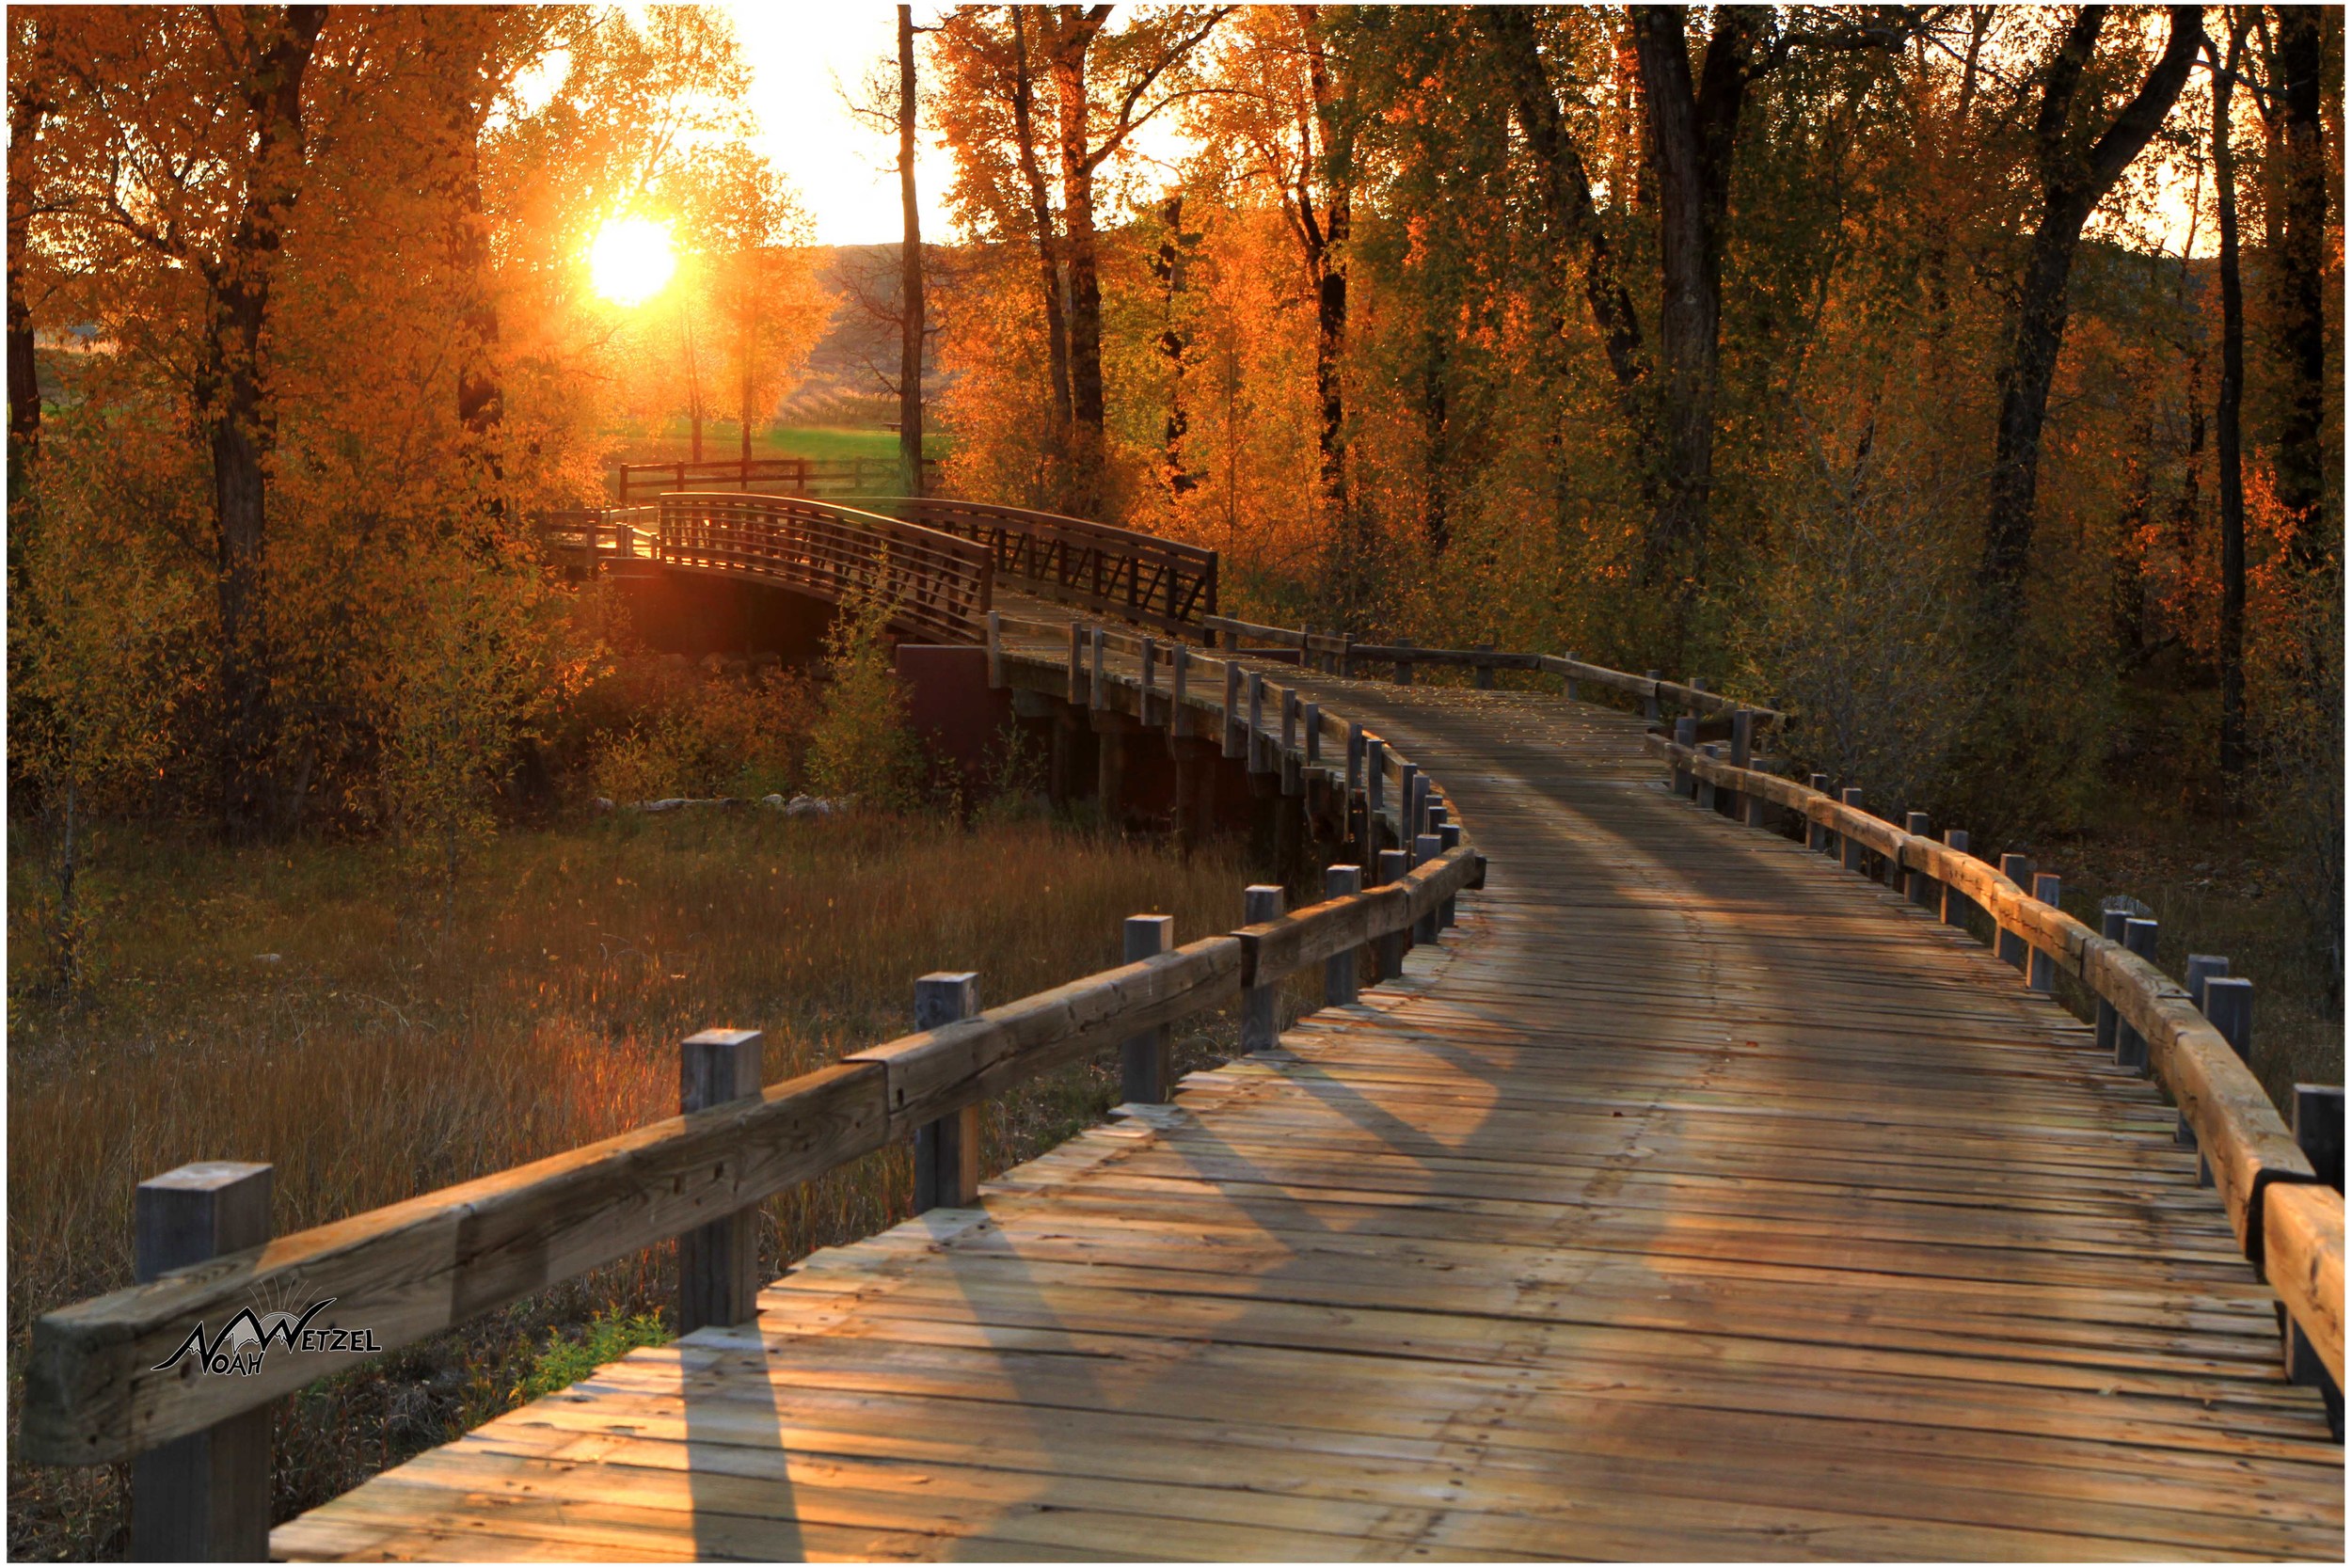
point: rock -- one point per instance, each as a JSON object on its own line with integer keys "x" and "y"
{"x": 603, "y": 804}
{"x": 269, "y": 957}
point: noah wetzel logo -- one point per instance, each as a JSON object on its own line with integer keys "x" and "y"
{"x": 237, "y": 1350}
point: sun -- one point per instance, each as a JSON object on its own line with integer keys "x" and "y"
{"x": 630, "y": 260}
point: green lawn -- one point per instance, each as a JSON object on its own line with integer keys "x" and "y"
{"x": 723, "y": 440}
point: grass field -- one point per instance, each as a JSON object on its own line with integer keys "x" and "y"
{"x": 818, "y": 442}
{"x": 308, "y": 1005}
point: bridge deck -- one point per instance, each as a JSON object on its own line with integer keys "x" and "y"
{"x": 1693, "y": 1200}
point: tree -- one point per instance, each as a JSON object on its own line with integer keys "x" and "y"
{"x": 911, "y": 318}
{"x": 196, "y": 155}
{"x": 2075, "y": 169}
{"x": 764, "y": 310}
{"x": 2227, "y": 437}
{"x": 29, "y": 106}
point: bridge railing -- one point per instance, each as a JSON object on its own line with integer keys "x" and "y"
{"x": 2288, "y": 1221}
{"x": 640, "y": 482}
{"x": 936, "y": 584}
{"x": 1337, "y": 655}
{"x": 1114, "y": 571}
{"x": 106, "y": 1380}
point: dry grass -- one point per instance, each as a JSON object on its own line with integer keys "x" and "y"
{"x": 381, "y": 1052}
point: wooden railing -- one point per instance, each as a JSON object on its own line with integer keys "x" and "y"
{"x": 1336, "y": 655}
{"x": 2288, "y": 1221}
{"x": 639, "y": 483}
{"x": 1114, "y": 571}
{"x": 101, "y": 1382}
{"x": 937, "y": 585}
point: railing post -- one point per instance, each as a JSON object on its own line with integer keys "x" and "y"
{"x": 1257, "y": 721}
{"x": 1426, "y": 847}
{"x": 2130, "y": 1047}
{"x": 1706, "y": 793}
{"x": 1180, "y": 663}
{"x": 1404, "y": 666}
{"x": 1921, "y": 886}
{"x": 2104, "y": 1016}
{"x": 203, "y": 1498}
{"x": 947, "y": 1150}
{"x": 1570, "y": 680}
{"x": 1260, "y": 903}
{"x": 1151, "y": 678}
{"x": 1078, "y": 663}
{"x": 717, "y": 1264}
{"x": 1143, "y": 1058}
{"x": 1955, "y": 901}
{"x": 1742, "y": 754}
{"x": 2007, "y": 945}
{"x": 1687, "y": 736}
{"x": 1849, "y": 847}
{"x": 1483, "y": 675}
{"x": 2041, "y": 968}
{"x": 1096, "y": 695}
{"x": 2228, "y": 1006}
{"x": 1448, "y": 837}
{"x": 1311, "y": 720}
{"x": 2319, "y": 1132}
{"x": 1649, "y": 702}
{"x": 1817, "y": 837}
{"x": 1389, "y": 950}
{"x": 1288, "y": 701}
{"x": 2199, "y": 967}
{"x": 1339, "y": 970}
{"x": 1375, "y": 765}
{"x": 1233, "y": 741}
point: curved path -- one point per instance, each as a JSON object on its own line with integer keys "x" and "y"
{"x": 1690, "y": 1199}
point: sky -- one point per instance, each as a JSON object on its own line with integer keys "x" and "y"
{"x": 802, "y": 58}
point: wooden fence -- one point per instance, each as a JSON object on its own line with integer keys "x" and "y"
{"x": 101, "y": 1384}
{"x": 640, "y": 483}
{"x": 1152, "y": 581}
{"x": 2288, "y": 1221}
{"x": 938, "y": 586}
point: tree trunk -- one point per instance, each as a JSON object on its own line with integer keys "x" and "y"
{"x": 1085, "y": 306}
{"x": 1326, "y": 237}
{"x": 2073, "y": 182}
{"x": 911, "y": 323}
{"x": 239, "y": 419}
{"x": 1042, "y": 221}
{"x": 27, "y": 107}
{"x": 2227, "y": 449}
{"x": 2304, "y": 463}
{"x": 1693, "y": 134}
{"x": 1168, "y": 266}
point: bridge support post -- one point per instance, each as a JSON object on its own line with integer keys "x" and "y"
{"x": 1339, "y": 970}
{"x": 2105, "y": 1017}
{"x": 1143, "y": 1058}
{"x": 1110, "y": 764}
{"x": 1483, "y": 675}
{"x": 1234, "y": 742}
{"x": 1570, "y": 680}
{"x": 1686, "y": 735}
{"x": 2007, "y": 945}
{"x": 2130, "y": 1047}
{"x": 995, "y": 653}
{"x": 1955, "y": 901}
{"x": 717, "y": 1264}
{"x": 1849, "y": 847}
{"x": 1403, "y": 666}
{"x": 1817, "y": 838}
{"x": 203, "y": 1498}
{"x": 2041, "y": 968}
{"x": 1389, "y": 950}
{"x": 1742, "y": 755}
{"x": 1260, "y": 903}
{"x": 1375, "y": 765}
{"x": 1649, "y": 700}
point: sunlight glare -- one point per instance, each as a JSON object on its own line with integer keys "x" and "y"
{"x": 631, "y": 261}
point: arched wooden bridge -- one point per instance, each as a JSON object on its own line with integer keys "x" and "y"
{"x": 1682, "y": 1193}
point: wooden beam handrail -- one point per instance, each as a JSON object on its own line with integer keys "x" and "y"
{"x": 94, "y": 1390}
{"x": 802, "y": 473}
{"x": 2291, "y": 1229}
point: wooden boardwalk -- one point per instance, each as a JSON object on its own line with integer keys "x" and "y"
{"x": 1692, "y": 1199}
